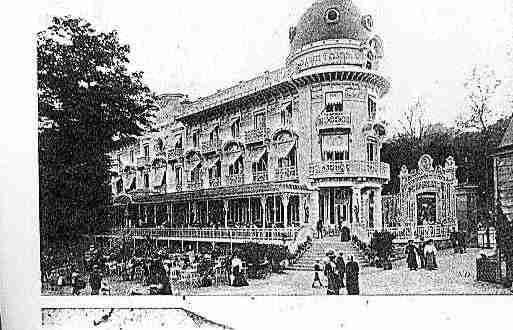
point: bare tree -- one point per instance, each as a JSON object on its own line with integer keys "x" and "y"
{"x": 413, "y": 122}
{"x": 481, "y": 85}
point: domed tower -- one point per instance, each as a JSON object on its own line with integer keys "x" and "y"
{"x": 334, "y": 60}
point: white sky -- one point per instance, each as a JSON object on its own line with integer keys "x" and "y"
{"x": 197, "y": 47}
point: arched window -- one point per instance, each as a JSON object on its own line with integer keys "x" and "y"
{"x": 146, "y": 180}
{"x": 196, "y": 174}
{"x": 214, "y": 134}
{"x": 236, "y": 129}
{"x": 371, "y": 209}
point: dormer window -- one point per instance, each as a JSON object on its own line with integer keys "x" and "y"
{"x": 332, "y": 16}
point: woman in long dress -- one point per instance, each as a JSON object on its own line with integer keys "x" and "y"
{"x": 330, "y": 271}
{"x": 411, "y": 258}
{"x": 238, "y": 276}
{"x": 352, "y": 277}
{"x": 430, "y": 255}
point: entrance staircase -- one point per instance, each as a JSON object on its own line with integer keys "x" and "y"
{"x": 318, "y": 252}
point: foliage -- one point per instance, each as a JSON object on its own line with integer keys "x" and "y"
{"x": 414, "y": 119}
{"x": 254, "y": 253}
{"x": 89, "y": 103}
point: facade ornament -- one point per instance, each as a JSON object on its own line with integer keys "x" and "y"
{"x": 368, "y": 22}
{"x": 292, "y": 33}
{"x": 425, "y": 163}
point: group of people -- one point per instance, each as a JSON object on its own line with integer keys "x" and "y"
{"x": 336, "y": 270}
{"x": 425, "y": 252}
{"x": 458, "y": 241}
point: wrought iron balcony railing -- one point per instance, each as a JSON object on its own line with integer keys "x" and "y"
{"x": 349, "y": 169}
{"x": 210, "y": 146}
{"x": 174, "y": 153}
{"x": 260, "y": 176}
{"x": 214, "y": 182}
{"x": 195, "y": 185}
{"x": 257, "y": 135}
{"x": 333, "y": 120}
{"x": 143, "y": 161}
{"x": 286, "y": 173}
{"x": 234, "y": 179}
{"x": 407, "y": 232}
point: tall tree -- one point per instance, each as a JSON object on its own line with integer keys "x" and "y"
{"x": 414, "y": 120}
{"x": 89, "y": 103}
{"x": 481, "y": 85}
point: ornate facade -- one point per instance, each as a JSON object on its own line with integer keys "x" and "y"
{"x": 264, "y": 158}
{"x": 426, "y": 204}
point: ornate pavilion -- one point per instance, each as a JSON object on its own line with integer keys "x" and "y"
{"x": 271, "y": 156}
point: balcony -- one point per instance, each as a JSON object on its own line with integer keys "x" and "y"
{"x": 214, "y": 182}
{"x": 174, "y": 153}
{"x": 194, "y": 185}
{"x": 210, "y": 146}
{"x": 333, "y": 121}
{"x": 260, "y": 176}
{"x": 349, "y": 169}
{"x": 257, "y": 135}
{"x": 286, "y": 173}
{"x": 234, "y": 179}
{"x": 143, "y": 161}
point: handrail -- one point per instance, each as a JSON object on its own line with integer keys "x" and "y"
{"x": 350, "y": 168}
{"x": 249, "y": 234}
{"x": 411, "y": 232}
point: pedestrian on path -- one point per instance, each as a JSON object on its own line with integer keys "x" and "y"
{"x": 341, "y": 268}
{"x": 95, "y": 280}
{"x": 454, "y": 239}
{"x": 411, "y": 254}
{"x": 317, "y": 279}
{"x": 430, "y": 252}
{"x": 352, "y": 277}
{"x": 420, "y": 252}
{"x": 319, "y": 228}
{"x": 330, "y": 271}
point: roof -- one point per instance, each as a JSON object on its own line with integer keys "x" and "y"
{"x": 507, "y": 140}
{"x": 330, "y": 19}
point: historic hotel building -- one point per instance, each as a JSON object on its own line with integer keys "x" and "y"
{"x": 269, "y": 156}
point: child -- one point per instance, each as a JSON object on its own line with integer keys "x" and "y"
{"x": 317, "y": 269}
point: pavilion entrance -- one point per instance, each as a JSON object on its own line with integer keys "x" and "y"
{"x": 335, "y": 207}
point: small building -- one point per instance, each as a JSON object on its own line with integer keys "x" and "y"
{"x": 503, "y": 172}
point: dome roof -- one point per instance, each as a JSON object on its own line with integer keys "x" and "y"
{"x": 330, "y": 19}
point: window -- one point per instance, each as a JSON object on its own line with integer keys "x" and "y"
{"x": 334, "y": 102}
{"x": 260, "y": 120}
{"x": 178, "y": 139}
{"x": 286, "y": 115}
{"x": 214, "y": 134}
{"x": 289, "y": 160}
{"x": 195, "y": 139}
{"x": 119, "y": 186}
{"x": 196, "y": 174}
{"x": 132, "y": 156}
{"x": 178, "y": 174}
{"x": 335, "y": 147}
{"x": 332, "y": 16}
{"x": 146, "y": 180}
{"x": 371, "y": 209}
{"x": 371, "y": 108}
{"x": 370, "y": 60}
{"x": 236, "y": 129}
{"x": 146, "y": 151}
{"x": 371, "y": 151}
{"x": 237, "y": 167}
{"x": 215, "y": 171}
{"x": 261, "y": 165}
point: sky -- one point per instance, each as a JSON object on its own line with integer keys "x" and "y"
{"x": 197, "y": 47}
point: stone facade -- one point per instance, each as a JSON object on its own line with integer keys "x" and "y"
{"x": 307, "y": 131}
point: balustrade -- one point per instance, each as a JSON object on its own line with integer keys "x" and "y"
{"x": 210, "y": 146}
{"x": 174, "y": 153}
{"x": 350, "y": 168}
{"x": 333, "y": 120}
{"x": 403, "y": 233}
{"x": 214, "y": 182}
{"x": 234, "y": 179}
{"x": 257, "y": 135}
{"x": 260, "y": 176}
{"x": 286, "y": 173}
{"x": 244, "y": 234}
{"x": 195, "y": 185}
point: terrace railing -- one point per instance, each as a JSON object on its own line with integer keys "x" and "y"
{"x": 234, "y": 179}
{"x": 286, "y": 173}
{"x": 257, "y": 135}
{"x": 260, "y": 176}
{"x": 239, "y": 234}
{"x": 349, "y": 169}
{"x": 404, "y": 233}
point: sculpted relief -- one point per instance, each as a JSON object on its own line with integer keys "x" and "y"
{"x": 329, "y": 57}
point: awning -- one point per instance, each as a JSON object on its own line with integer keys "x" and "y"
{"x": 158, "y": 179}
{"x": 232, "y": 157}
{"x": 284, "y": 149}
{"x": 334, "y": 98}
{"x": 284, "y": 106}
{"x": 130, "y": 182}
{"x": 211, "y": 162}
{"x": 256, "y": 154}
{"x": 335, "y": 143}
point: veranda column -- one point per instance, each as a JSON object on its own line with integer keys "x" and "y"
{"x": 127, "y": 221}
{"x": 195, "y": 211}
{"x": 285, "y": 203}
{"x": 356, "y": 207}
{"x": 145, "y": 214}
{"x": 139, "y": 215}
{"x": 378, "y": 211}
{"x": 264, "y": 209}
{"x": 208, "y": 220}
{"x": 301, "y": 209}
{"x": 275, "y": 203}
{"x": 225, "y": 208}
{"x": 155, "y": 215}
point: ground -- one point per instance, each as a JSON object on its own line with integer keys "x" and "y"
{"x": 456, "y": 276}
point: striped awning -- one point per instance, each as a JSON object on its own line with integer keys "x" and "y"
{"x": 335, "y": 143}
{"x": 256, "y": 154}
{"x": 231, "y": 158}
{"x": 284, "y": 149}
{"x": 158, "y": 179}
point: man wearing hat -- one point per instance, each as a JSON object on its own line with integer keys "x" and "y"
{"x": 341, "y": 268}
{"x": 95, "y": 280}
{"x": 330, "y": 271}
